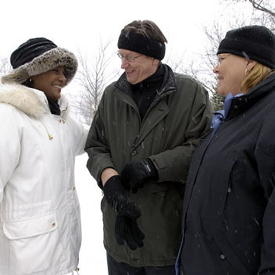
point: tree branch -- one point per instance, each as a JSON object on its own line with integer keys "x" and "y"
{"x": 258, "y": 5}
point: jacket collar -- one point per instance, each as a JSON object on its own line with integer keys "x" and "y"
{"x": 30, "y": 101}
{"x": 242, "y": 103}
{"x": 168, "y": 84}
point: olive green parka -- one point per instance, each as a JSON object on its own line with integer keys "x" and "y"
{"x": 171, "y": 128}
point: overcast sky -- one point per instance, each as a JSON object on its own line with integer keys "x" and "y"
{"x": 80, "y": 25}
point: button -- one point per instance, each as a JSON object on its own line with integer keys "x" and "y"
{"x": 53, "y": 224}
{"x": 134, "y": 153}
{"x": 222, "y": 257}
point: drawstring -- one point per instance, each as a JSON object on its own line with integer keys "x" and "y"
{"x": 45, "y": 127}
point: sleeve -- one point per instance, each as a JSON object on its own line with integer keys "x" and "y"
{"x": 265, "y": 157}
{"x": 173, "y": 165}
{"x": 10, "y": 145}
{"x": 97, "y": 147}
{"x": 79, "y": 137}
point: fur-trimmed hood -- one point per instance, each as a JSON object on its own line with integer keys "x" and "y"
{"x": 30, "y": 101}
{"x": 47, "y": 61}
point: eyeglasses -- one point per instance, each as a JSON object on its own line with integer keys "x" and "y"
{"x": 128, "y": 58}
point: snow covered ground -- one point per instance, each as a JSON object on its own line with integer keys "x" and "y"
{"x": 92, "y": 253}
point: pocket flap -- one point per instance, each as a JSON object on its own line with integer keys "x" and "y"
{"x": 30, "y": 228}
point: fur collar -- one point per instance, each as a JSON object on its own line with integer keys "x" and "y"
{"x": 32, "y": 102}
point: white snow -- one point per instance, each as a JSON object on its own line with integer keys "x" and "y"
{"x": 92, "y": 253}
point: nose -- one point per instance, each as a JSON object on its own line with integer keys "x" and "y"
{"x": 124, "y": 63}
{"x": 216, "y": 69}
{"x": 62, "y": 77}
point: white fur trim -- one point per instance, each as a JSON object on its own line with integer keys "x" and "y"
{"x": 24, "y": 99}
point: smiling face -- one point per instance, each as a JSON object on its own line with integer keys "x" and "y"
{"x": 137, "y": 66}
{"x": 230, "y": 70}
{"x": 50, "y": 82}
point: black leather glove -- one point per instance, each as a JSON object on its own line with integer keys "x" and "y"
{"x": 126, "y": 228}
{"x": 135, "y": 173}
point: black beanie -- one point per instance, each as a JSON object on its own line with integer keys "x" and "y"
{"x": 255, "y": 42}
{"x": 137, "y": 42}
{"x": 29, "y": 50}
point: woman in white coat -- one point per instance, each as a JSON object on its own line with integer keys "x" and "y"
{"x": 40, "y": 231}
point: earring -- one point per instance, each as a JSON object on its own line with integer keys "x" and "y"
{"x": 28, "y": 82}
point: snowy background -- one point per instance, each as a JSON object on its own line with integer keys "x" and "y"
{"x": 92, "y": 253}
{"x": 82, "y": 26}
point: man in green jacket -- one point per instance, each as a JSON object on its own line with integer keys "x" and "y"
{"x": 140, "y": 144}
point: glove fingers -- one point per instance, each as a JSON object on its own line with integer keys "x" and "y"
{"x": 131, "y": 242}
{"x": 126, "y": 231}
{"x": 129, "y": 237}
{"x": 123, "y": 232}
{"x": 119, "y": 230}
{"x": 137, "y": 234}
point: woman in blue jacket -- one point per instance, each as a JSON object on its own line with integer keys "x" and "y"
{"x": 229, "y": 205}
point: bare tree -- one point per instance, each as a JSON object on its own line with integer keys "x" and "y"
{"x": 266, "y": 11}
{"x": 92, "y": 77}
{"x": 216, "y": 32}
{"x": 263, "y": 5}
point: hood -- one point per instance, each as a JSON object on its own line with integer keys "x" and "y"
{"x": 47, "y": 61}
{"x": 30, "y": 101}
{"x": 241, "y": 103}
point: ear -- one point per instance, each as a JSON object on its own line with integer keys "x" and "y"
{"x": 250, "y": 65}
{"x": 155, "y": 62}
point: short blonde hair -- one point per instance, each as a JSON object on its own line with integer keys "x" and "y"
{"x": 256, "y": 75}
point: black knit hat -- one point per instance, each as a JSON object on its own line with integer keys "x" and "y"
{"x": 137, "y": 42}
{"x": 254, "y": 42}
{"x": 29, "y": 50}
{"x": 36, "y": 56}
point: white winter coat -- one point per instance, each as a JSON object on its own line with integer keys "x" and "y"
{"x": 40, "y": 229}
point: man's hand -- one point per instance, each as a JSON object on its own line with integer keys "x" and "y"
{"x": 136, "y": 173}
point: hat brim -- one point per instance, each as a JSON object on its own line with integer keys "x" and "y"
{"x": 47, "y": 61}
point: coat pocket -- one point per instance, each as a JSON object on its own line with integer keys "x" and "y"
{"x": 32, "y": 244}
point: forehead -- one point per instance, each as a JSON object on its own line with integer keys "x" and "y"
{"x": 223, "y": 54}
{"x": 56, "y": 69}
{"x": 50, "y": 72}
{"x": 127, "y": 52}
